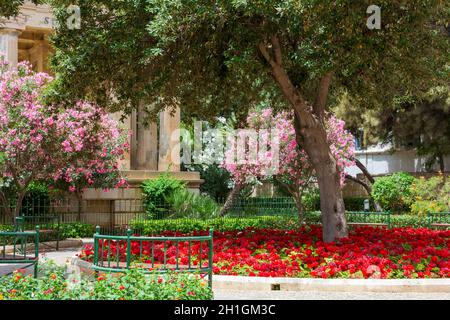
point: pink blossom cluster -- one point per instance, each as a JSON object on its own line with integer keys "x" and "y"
{"x": 71, "y": 148}
{"x": 294, "y": 166}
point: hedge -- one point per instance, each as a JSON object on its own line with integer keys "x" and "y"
{"x": 151, "y": 227}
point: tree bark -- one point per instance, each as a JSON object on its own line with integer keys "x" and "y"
{"x": 311, "y": 135}
{"x": 364, "y": 170}
{"x": 360, "y": 182}
{"x": 18, "y": 207}
{"x": 441, "y": 163}
{"x": 297, "y": 194}
{"x": 234, "y": 193}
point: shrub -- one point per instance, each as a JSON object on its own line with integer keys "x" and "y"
{"x": 153, "y": 227}
{"x": 131, "y": 285}
{"x": 393, "y": 192}
{"x": 357, "y": 203}
{"x": 311, "y": 200}
{"x": 76, "y": 230}
{"x": 217, "y": 183}
{"x": 155, "y": 192}
{"x": 186, "y": 204}
{"x": 430, "y": 195}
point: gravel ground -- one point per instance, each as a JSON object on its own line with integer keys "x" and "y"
{"x": 315, "y": 295}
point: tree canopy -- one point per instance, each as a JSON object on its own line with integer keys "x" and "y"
{"x": 11, "y": 8}
{"x": 205, "y": 54}
{"x": 215, "y": 57}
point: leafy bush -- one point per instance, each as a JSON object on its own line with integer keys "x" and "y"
{"x": 186, "y": 204}
{"x": 217, "y": 183}
{"x": 393, "y": 192}
{"x": 154, "y": 227}
{"x": 36, "y": 201}
{"x": 311, "y": 200}
{"x": 155, "y": 192}
{"x": 76, "y": 230}
{"x": 131, "y": 285}
{"x": 430, "y": 195}
{"x": 357, "y": 203}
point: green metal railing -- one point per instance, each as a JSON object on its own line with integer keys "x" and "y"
{"x": 368, "y": 218}
{"x": 439, "y": 219}
{"x": 49, "y": 224}
{"x": 20, "y": 253}
{"x": 109, "y": 255}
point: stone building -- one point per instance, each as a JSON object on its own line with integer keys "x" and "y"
{"x": 25, "y": 37}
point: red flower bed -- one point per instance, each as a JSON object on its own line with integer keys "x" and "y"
{"x": 367, "y": 253}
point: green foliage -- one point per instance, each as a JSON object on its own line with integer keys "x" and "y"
{"x": 357, "y": 203}
{"x": 282, "y": 222}
{"x": 11, "y": 8}
{"x": 131, "y": 285}
{"x": 154, "y": 227}
{"x": 311, "y": 201}
{"x": 393, "y": 192}
{"x": 155, "y": 192}
{"x": 430, "y": 195}
{"x": 217, "y": 181}
{"x": 186, "y": 204}
{"x": 205, "y": 53}
{"x": 76, "y": 230}
{"x": 36, "y": 200}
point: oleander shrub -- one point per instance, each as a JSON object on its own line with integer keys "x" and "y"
{"x": 393, "y": 192}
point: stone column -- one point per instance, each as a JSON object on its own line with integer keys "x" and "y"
{"x": 9, "y": 45}
{"x": 124, "y": 164}
{"x": 169, "y": 141}
{"x": 146, "y": 143}
{"x": 38, "y": 56}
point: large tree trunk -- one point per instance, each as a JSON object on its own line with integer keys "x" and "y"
{"x": 311, "y": 135}
{"x": 328, "y": 178}
{"x": 234, "y": 193}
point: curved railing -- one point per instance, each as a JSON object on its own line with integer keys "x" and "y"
{"x": 13, "y": 248}
{"x": 154, "y": 254}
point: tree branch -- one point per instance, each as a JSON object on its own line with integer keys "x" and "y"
{"x": 322, "y": 94}
{"x": 277, "y": 50}
{"x": 263, "y": 49}
{"x": 365, "y": 185}
{"x": 364, "y": 170}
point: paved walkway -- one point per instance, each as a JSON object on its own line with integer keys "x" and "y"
{"x": 314, "y": 295}
{"x": 61, "y": 257}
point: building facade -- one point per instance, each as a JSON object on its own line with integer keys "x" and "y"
{"x": 25, "y": 37}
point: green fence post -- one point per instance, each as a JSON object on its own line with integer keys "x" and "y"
{"x": 96, "y": 247}
{"x": 36, "y": 252}
{"x": 389, "y": 219}
{"x": 128, "y": 248}
{"x": 58, "y": 230}
{"x": 210, "y": 256}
